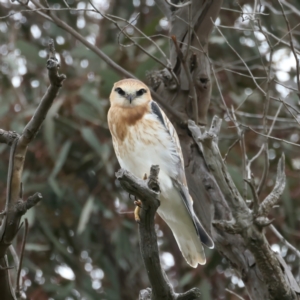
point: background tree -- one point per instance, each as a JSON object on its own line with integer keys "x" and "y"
{"x": 85, "y": 227}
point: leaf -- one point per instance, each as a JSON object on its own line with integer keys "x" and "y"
{"x": 82, "y": 52}
{"x": 4, "y": 108}
{"x": 30, "y": 216}
{"x": 61, "y": 158}
{"x": 2, "y": 147}
{"x": 87, "y": 112}
{"x": 186, "y": 279}
{"x": 36, "y": 247}
{"x": 85, "y": 215}
{"x": 30, "y": 51}
{"x": 205, "y": 288}
{"x": 47, "y": 230}
{"x": 109, "y": 77}
{"x": 90, "y": 137}
{"x": 49, "y": 128}
{"x": 55, "y": 187}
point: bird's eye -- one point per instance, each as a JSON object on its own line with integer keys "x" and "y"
{"x": 141, "y": 92}
{"x": 120, "y": 91}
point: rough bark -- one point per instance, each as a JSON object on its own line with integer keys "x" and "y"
{"x": 148, "y": 191}
{"x": 253, "y": 259}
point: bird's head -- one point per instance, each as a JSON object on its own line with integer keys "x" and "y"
{"x": 129, "y": 93}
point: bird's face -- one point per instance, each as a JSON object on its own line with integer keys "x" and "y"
{"x": 129, "y": 93}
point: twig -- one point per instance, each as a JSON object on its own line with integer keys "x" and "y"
{"x": 253, "y": 78}
{"x": 233, "y": 293}
{"x": 15, "y": 258}
{"x": 109, "y": 17}
{"x": 189, "y": 31}
{"x": 178, "y": 6}
{"x": 241, "y": 135}
{"x": 15, "y": 207}
{"x": 292, "y": 46}
{"x": 269, "y": 136}
{"x": 279, "y": 40}
{"x": 293, "y": 8}
{"x": 250, "y": 161}
{"x": 273, "y": 197}
{"x": 179, "y": 116}
{"x": 8, "y": 137}
{"x": 284, "y": 241}
{"x": 230, "y": 147}
{"x": 18, "y": 289}
{"x": 254, "y": 194}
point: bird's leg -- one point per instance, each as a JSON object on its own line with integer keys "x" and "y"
{"x": 138, "y": 204}
{"x": 137, "y": 209}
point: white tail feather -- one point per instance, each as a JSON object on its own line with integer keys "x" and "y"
{"x": 189, "y": 244}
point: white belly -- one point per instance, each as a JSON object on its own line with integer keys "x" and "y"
{"x": 147, "y": 148}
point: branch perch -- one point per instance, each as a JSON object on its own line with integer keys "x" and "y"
{"x": 148, "y": 192}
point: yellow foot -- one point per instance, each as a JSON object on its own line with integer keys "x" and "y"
{"x": 137, "y": 210}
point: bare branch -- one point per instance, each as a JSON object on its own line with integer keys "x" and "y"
{"x": 15, "y": 207}
{"x": 244, "y": 223}
{"x": 8, "y": 137}
{"x": 273, "y": 197}
{"x": 18, "y": 288}
{"x": 147, "y": 191}
{"x": 284, "y": 241}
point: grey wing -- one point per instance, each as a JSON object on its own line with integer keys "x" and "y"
{"x": 186, "y": 198}
{"x": 161, "y": 116}
{"x": 180, "y": 183}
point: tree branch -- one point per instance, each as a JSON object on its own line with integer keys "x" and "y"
{"x": 148, "y": 192}
{"x": 253, "y": 236}
{"x": 8, "y": 137}
{"x": 15, "y": 205}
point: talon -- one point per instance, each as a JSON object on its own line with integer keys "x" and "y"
{"x": 138, "y": 203}
{"x": 137, "y": 213}
{"x": 145, "y": 176}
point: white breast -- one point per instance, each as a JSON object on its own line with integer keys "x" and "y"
{"x": 148, "y": 143}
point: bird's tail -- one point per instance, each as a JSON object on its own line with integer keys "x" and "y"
{"x": 189, "y": 244}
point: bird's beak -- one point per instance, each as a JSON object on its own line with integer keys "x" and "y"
{"x": 130, "y": 97}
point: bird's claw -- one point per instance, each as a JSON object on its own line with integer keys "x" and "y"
{"x": 137, "y": 213}
{"x": 138, "y": 203}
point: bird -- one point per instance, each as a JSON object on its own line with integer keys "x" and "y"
{"x": 143, "y": 136}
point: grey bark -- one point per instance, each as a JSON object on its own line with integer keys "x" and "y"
{"x": 264, "y": 275}
{"x": 148, "y": 191}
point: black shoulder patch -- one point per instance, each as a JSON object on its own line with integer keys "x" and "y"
{"x": 156, "y": 110}
{"x": 204, "y": 237}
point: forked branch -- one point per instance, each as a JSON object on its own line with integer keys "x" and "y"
{"x": 15, "y": 205}
{"x": 247, "y": 223}
{"x": 148, "y": 192}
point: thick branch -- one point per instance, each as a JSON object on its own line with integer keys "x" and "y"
{"x": 253, "y": 236}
